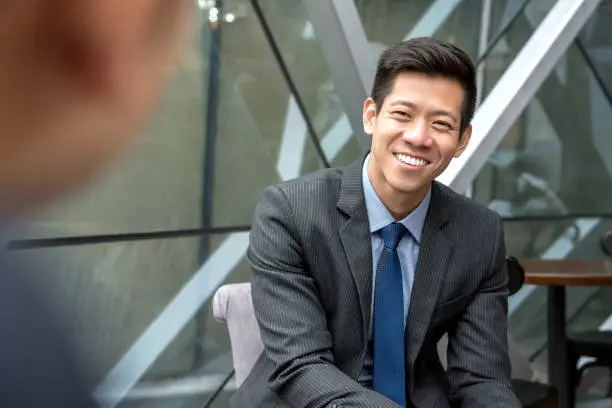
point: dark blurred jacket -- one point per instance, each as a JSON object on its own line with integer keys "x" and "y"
{"x": 38, "y": 368}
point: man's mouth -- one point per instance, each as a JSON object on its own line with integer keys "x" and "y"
{"x": 411, "y": 160}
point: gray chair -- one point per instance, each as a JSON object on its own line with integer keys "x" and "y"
{"x": 606, "y": 243}
{"x": 232, "y": 305}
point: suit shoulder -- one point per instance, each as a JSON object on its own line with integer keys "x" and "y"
{"x": 309, "y": 187}
{"x": 463, "y": 207}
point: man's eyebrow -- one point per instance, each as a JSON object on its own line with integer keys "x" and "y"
{"x": 445, "y": 113}
{"x": 407, "y": 104}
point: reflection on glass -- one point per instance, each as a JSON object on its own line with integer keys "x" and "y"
{"x": 557, "y": 158}
{"x": 596, "y": 39}
{"x": 387, "y": 22}
{"x": 504, "y": 12}
{"x": 523, "y": 17}
{"x": 556, "y": 238}
{"x": 108, "y": 294}
{"x": 469, "y": 24}
{"x": 301, "y": 51}
{"x": 261, "y": 136}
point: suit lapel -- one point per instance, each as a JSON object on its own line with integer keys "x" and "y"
{"x": 434, "y": 254}
{"x": 355, "y": 237}
{"x": 430, "y": 271}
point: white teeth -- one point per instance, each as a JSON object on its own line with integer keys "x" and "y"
{"x": 413, "y": 161}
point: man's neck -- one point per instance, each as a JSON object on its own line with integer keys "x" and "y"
{"x": 398, "y": 203}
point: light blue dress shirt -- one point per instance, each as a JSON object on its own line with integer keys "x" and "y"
{"x": 408, "y": 251}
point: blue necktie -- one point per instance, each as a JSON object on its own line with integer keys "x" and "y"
{"x": 389, "y": 369}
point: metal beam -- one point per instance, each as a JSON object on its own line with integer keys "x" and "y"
{"x": 517, "y": 87}
{"x": 346, "y": 50}
{"x": 438, "y": 12}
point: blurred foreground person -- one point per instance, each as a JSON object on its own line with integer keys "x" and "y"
{"x": 77, "y": 80}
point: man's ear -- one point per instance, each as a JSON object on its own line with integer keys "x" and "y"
{"x": 464, "y": 139}
{"x": 369, "y": 116}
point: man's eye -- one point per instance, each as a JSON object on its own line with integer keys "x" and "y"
{"x": 400, "y": 113}
{"x": 445, "y": 125}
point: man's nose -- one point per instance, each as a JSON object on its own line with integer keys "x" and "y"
{"x": 417, "y": 135}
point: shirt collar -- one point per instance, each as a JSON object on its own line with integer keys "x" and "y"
{"x": 379, "y": 216}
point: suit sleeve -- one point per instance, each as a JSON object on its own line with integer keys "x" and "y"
{"x": 291, "y": 318}
{"x": 478, "y": 359}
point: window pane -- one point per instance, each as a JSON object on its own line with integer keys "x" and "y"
{"x": 108, "y": 294}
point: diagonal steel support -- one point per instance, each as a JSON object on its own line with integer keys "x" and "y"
{"x": 517, "y": 87}
{"x": 347, "y": 52}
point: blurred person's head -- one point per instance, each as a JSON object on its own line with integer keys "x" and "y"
{"x": 77, "y": 80}
{"x": 418, "y": 114}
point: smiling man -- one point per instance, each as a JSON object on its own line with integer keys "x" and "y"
{"x": 358, "y": 271}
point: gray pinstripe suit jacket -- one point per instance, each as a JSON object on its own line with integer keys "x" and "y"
{"x": 310, "y": 251}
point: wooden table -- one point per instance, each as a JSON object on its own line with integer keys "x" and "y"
{"x": 557, "y": 274}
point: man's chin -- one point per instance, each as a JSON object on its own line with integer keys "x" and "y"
{"x": 411, "y": 189}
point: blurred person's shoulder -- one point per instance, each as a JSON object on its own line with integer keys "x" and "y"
{"x": 38, "y": 367}
{"x": 464, "y": 208}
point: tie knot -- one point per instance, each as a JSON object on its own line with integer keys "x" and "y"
{"x": 392, "y": 234}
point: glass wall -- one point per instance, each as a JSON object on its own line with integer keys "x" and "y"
{"x": 388, "y": 22}
{"x": 551, "y": 178}
{"x": 511, "y": 24}
{"x": 554, "y": 160}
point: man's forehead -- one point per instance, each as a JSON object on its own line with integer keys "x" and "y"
{"x": 417, "y": 90}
